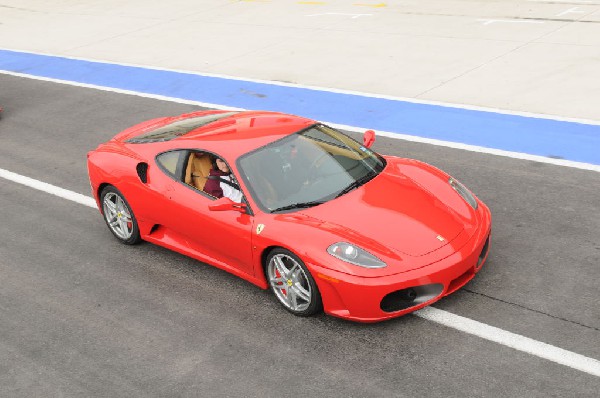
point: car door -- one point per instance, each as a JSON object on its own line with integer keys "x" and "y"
{"x": 223, "y": 236}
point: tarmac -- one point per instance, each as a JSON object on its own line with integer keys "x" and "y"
{"x": 82, "y": 315}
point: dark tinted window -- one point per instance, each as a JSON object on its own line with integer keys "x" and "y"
{"x": 178, "y": 128}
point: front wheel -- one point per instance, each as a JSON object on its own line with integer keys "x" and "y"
{"x": 292, "y": 284}
{"x": 119, "y": 217}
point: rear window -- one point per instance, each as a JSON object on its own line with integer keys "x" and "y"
{"x": 177, "y": 129}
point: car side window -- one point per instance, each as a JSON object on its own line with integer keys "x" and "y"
{"x": 169, "y": 161}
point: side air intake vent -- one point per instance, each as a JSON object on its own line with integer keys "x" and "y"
{"x": 142, "y": 171}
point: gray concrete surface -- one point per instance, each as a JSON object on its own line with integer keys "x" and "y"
{"x": 82, "y": 315}
{"x": 518, "y": 55}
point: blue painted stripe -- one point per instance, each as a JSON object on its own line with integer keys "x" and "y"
{"x": 544, "y": 137}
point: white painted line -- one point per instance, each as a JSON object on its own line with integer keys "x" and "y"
{"x": 128, "y": 92}
{"x": 48, "y": 188}
{"x": 470, "y": 326}
{"x": 516, "y": 341}
{"x": 586, "y": 2}
{"x": 474, "y": 148}
{"x": 572, "y": 10}
{"x": 284, "y": 84}
{"x": 406, "y": 137}
{"x": 491, "y": 21}
{"x": 353, "y": 16}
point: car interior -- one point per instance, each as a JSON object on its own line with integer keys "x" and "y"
{"x": 198, "y": 169}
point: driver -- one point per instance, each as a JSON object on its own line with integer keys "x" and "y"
{"x": 221, "y": 182}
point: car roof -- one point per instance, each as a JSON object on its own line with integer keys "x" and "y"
{"x": 230, "y": 136}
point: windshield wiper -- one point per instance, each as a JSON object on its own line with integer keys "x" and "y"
{"x": 301, "y": 205}
{"x": 357, "y": 183}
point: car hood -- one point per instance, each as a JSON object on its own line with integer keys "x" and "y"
{"x": 396, "y": 212}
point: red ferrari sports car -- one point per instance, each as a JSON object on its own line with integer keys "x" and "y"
{"x": 293, "y": 205}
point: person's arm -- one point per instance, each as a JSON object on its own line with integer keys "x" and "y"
{"x": 230, "y": 192}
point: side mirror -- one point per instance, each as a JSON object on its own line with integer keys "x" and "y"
{"x": 226, "y": 204}
{"x": 368, "y": 138}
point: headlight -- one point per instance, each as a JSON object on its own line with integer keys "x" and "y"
{"x": 464, "y": 192}
{"x": 354, "y": 255}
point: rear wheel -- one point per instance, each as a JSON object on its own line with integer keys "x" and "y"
{"x": 292, "y": 284}
{"x": 119, "y": 217}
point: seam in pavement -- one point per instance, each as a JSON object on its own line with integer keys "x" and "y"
{"x": 531, "y": 309}
{"x": 500, "y": 56}
{"x": 568, "y": 23}
{"x": 473, "y": 69}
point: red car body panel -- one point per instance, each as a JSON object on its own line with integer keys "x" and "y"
{"x": 408, "y": 216}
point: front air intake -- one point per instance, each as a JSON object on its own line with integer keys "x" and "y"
{"x": 410, "y": 297}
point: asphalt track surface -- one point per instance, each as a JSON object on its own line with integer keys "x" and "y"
{"x": 82, "y": 315}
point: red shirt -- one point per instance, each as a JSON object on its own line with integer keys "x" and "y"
{"x": 213, "y": 187}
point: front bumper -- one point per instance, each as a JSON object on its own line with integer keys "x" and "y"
{"x": 362, "y": 299}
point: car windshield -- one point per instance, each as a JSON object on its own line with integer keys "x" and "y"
{"x": 307, "y": 168}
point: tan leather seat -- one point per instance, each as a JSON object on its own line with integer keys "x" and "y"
{"x": 198, "y": 169}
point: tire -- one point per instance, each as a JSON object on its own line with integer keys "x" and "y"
{"x": 119, "y": 217}
{"x": 292, "y": 284}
